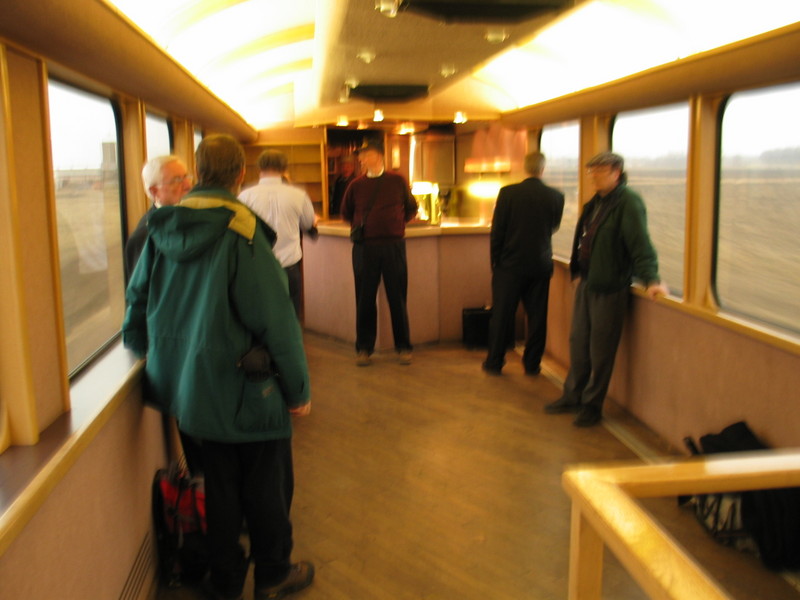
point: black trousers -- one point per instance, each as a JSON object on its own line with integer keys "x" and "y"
{"x": 371, "y": 263}
{"x": 508, "y": 288}
{"x": 295, "y": 276}
{"x": 252, "y": 482}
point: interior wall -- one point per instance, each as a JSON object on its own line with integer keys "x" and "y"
{"x": 719, "y": 377}
{"x": 682, "y": 374}
{"x": 85, "y": 538}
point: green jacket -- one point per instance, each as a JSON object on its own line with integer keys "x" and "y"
{"x": 205, "y": 290}
{"x": 622, "y": 249}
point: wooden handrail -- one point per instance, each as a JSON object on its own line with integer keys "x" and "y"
{"x": 605, "y": 513}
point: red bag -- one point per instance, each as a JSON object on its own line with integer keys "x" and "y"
{"x": 179, "y": 515}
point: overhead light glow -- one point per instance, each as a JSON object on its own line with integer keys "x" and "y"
{"x": 378, "y": 115}
{"x": 342, "y": 121}
{"x": 662, "y": 31}
{"x": 460, "y": 117}
{"x": 256, "y": 70}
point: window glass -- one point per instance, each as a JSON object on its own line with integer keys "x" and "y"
{"x": 198, "y": 137}
{"x": 157, "y": 135}
{"x": 84, "y": 147}
{"x": 654, "y": 144}
{"x": 561, "y": 146}
{"x": 759, "y": 207}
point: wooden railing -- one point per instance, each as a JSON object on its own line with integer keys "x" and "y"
{"x": 605, "y": 513}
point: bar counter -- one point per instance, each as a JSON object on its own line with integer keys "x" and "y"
{"x": 448, "y": 270}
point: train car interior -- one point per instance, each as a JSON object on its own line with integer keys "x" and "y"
{"x": 431, "y": 480}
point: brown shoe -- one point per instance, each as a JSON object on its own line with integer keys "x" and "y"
{"x": 561, "y": 406}
{"x": 300, "y": 577}
{"x": 363, "y": 359}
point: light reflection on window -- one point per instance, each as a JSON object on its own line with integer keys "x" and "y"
{"x": 84, "y": 148}
{"x": 157, "y": 135}
{"x": 759, "y": 207}
{"x": 654, "y": 144}
{"x": 561, "y": 146}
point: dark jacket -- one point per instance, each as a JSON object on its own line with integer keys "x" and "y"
{"x": 392, "y": 208}
{"x": 135, "y": 243}
{"x": 525, "y": 217}
{"x": 621, "y": 249}
{"x": 205, "y": 290}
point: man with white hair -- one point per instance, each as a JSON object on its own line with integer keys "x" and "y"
{"x": 166, "y": 180}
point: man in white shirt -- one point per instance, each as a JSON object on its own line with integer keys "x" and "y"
{"x": 285, "y": 208}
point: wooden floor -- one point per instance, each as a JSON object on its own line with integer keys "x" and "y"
{"x": 435, "y": 481}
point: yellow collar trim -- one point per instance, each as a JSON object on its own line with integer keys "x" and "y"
{"x": 243, "y": 220}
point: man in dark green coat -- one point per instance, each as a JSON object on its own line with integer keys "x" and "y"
{"x": 612, "y": 247}
{"x": 205, "y": 292}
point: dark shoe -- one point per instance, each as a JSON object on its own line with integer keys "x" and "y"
{"x": 491, "y": 370}
{"x": 561, "y": 406}
{"x": 589, "y": 415}
{"x": 533, "y": 372}
{"x": 210, "y": 593}
{"x": 300, "y": 576}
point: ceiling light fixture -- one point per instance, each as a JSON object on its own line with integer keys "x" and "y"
{"x": 496, "y": 35}
{"x": 406, "y": 128}
{"x": 342, "y": 121}
{"x": 378, "y": 116}
{"x": 388, "y": 8}
{"x": 460, "y": 117}
{"x": 366, "y": 55}
{"x": 448, "y": 70}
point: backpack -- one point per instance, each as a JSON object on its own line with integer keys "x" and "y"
{"x": 766, "y": 521}
{"x": 179, "y": 517}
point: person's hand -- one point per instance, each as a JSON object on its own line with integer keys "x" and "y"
{"x": 654, "y": 290}
{"x": 301, "y": 411}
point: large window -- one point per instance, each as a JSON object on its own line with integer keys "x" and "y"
{"x": 157, "y": 135}
{"x": 561, "y": 147}
{"x": 654, "y": 144}
{"x": 758, "y": 244}
{"x": 84, "y": 147}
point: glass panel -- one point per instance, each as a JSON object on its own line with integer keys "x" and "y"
{"x": 759, "y": 207}
{"x": 198, "y": 137}
{"x": 84, "y": 145}
{"x": 561, "y": 146}
{"x": 157, "y": 135}
{"x": 654, "y": 144}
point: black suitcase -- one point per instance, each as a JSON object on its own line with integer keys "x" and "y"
{"x": 475, "y": 327}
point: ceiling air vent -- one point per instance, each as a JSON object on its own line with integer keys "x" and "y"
{"x": 483, "y": 11}
{"x": 390, "y": 92}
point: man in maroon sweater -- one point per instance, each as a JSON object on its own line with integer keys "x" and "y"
{"x": 381, "y": 204}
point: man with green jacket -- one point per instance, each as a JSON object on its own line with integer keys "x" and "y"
{"x": 206, "y": 296}
{"x": 612, "y": 247}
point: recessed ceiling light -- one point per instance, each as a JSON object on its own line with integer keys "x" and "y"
{"x": 388, "y": 8}
{"x": 366, "y": 55}
{"x": 448, "y": 69}
{"x": 378, "y": 116}
{"x": 496, "y": 35}
{"x": 460, "y": 117}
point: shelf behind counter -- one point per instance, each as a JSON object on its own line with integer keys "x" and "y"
{"x": 448, "y": 270}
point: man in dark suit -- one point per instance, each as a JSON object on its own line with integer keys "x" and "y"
{"x": 525, "y": 217}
